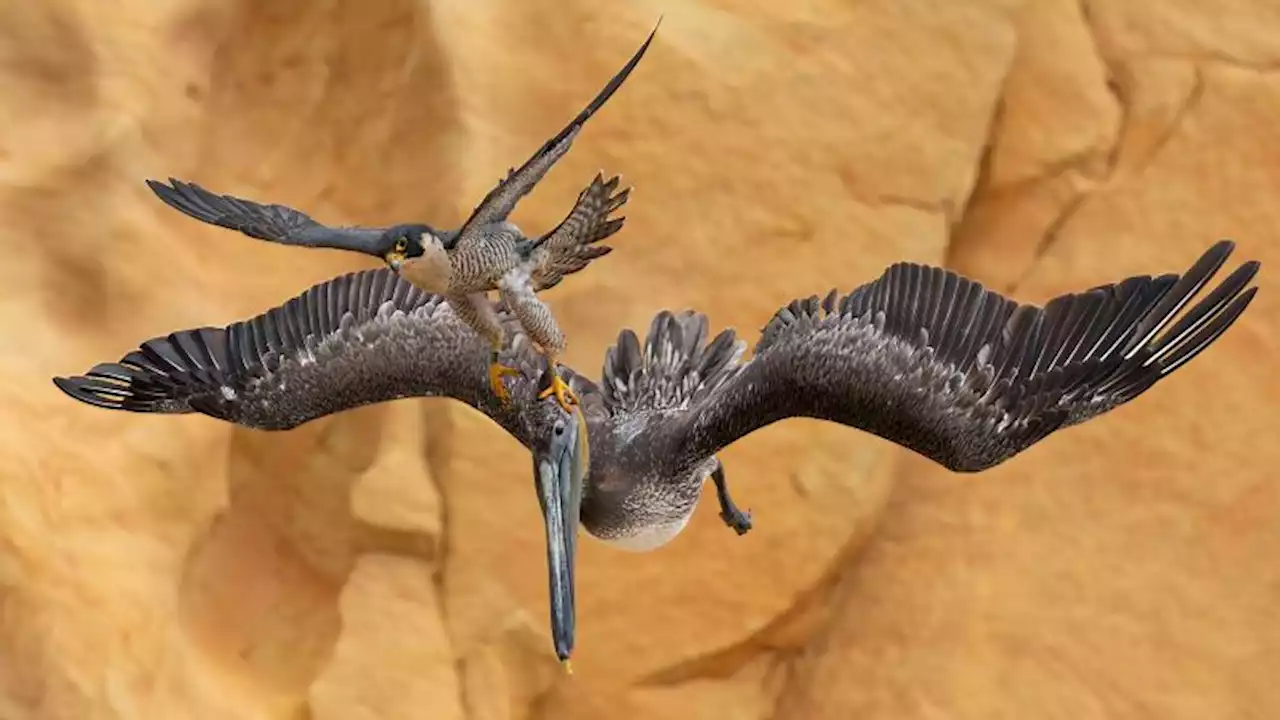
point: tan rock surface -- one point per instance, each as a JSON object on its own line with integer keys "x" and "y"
{"x": 388, "y": 562}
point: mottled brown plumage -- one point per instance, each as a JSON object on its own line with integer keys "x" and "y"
{"x": 920, "y": 356}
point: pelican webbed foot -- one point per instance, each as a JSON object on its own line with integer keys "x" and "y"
{"x": 733, "y": 517}
{"x": 497, "y": 371}
{"x": 559, "y": 388}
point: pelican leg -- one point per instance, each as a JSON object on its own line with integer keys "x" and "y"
{"x": 733, "y": 517}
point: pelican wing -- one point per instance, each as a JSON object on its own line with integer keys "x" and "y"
{"x": 274, "y": 223}
{"x": 934, "y": 362}
{"x": 358, "y": 339}
{"x": 498, "y": 204}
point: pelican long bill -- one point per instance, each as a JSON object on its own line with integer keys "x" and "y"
{"x": 560, "y": 471}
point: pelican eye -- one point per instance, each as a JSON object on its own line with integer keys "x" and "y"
{"x": 559, "y": 429}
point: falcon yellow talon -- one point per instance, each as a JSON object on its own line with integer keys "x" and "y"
{"x": 568, "y": 666}
{"x": 497, "y": 371}
{"x": 564, "y": 394}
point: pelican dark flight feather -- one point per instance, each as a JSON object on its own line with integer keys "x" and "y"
{"x": 486, "y": 253}
{"x": 921, "y": 357}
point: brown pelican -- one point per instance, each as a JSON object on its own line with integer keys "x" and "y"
{"x": 486, "y": 253}
{"x": 921, "y": 356}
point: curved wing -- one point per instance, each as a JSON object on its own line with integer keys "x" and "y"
{"x": 498, "y": 204}
{"x": 936, "y": 363}
{"x": 275, "y": 223}
{"x": 358, "y": 339}
{"x": 571, "y": 246}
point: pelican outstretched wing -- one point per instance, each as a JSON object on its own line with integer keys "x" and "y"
{"x": 275, "y": 223}
{"x": 936, "y": 363}
{"x": 572, "y": 245}
{"x": 498, "y": 204}
{"x": 358, "y": 339}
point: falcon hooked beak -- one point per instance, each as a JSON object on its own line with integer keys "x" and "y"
{"x": 559, "y": 471}
{"x": 395, "y": 258}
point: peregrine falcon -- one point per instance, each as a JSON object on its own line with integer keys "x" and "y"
{"x": 486, "y": 253}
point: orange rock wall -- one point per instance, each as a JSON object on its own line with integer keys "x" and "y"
{"x": 388, "y": 562}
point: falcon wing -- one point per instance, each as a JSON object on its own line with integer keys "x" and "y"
{"x": 358, "y": 339}
{"x": 275, "y": 223}
{"x": 936, "y": 363}
{"x": 498, "y": 204}
{"x": 571, "y": 246}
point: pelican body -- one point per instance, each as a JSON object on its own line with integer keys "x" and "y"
{"x": 486, "y": 253}
{"x": 921, "y": 357}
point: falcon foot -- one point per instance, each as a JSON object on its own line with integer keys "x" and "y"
{"x": 560, "y": 388}
{"x": 733, "y": 517}
{"x": 562, "y": 392}
{"x": 497, "y": 371}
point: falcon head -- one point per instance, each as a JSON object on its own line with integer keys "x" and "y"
{"x": 405, "y": 242}
{"x": 417, "y": 253}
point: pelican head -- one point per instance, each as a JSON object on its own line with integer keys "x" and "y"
{"x": 560, "y": 466}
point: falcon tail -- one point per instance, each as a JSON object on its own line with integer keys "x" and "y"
{"x": 576, "y": 241}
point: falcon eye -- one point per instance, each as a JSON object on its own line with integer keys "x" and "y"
{"x": 401, "y": 246}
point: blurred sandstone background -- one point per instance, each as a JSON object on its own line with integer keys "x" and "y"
{"x": 388, "y": 563}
